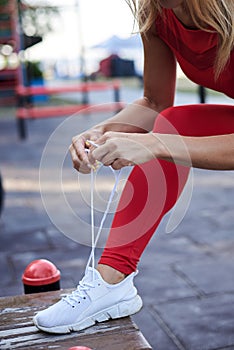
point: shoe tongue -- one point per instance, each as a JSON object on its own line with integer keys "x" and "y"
{"x": 91, "y": 274}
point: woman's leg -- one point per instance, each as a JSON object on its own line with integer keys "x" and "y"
{"x": 154, "y": 187}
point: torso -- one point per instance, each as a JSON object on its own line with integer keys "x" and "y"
{"x": 195, "y": 51}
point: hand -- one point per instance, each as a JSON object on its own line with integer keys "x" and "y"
{"x": 78, "y": 150}
{"x": 123, "y": 149}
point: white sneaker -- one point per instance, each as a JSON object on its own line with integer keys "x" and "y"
{"x": 93, "y": 301}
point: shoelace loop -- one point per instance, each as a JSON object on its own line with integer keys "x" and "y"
{"x": 80, "y": 292}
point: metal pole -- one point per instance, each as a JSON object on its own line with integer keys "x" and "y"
{"x": 82, "y": 47}
{"x": 202, "y": 94}
{"x": 85, "y": 94}
{"x": 21, "y": 123}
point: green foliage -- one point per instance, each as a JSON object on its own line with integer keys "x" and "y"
{"x": 33, "y": 70}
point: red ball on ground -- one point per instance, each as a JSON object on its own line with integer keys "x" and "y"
{"x": 40, "y": 272}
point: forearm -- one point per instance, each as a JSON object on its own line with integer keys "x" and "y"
{"x": 138, "y": 117}
{"x": 212, "y": 152}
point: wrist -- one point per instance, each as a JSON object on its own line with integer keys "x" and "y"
{"x": 159, "y": 148}
{"x": 102, "y": 127}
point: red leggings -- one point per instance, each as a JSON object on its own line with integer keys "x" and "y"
{"x": 153, "y": 188}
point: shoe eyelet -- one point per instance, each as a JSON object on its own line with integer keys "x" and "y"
{"x": 84, "y": 297}
{"x": 73, "y": 306}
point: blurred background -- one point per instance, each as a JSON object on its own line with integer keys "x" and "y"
{"x": 64, "y": 41}
{"x": 51, "y": 42}
{"x": 51, "y": 52}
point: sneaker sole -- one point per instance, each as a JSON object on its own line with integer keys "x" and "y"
{"x": 123, "y": 309}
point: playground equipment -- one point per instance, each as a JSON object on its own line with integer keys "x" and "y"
{"x": 10, "y": 71}
{"x": 26, "y": 110}
{"x": 15, "y": 86}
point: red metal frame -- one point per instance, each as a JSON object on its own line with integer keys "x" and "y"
{"x": 58, "y": 111}
{"x": 10, "y": 78}
{"x": 13, "y": 79}
{"x": 81, "y": 87}
{"x": 27, "y": 111}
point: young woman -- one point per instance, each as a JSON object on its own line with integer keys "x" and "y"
{"x": 161, "y": 141}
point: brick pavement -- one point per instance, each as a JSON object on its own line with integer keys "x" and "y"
{"x": 186, "y": 277}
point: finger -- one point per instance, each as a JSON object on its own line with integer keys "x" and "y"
{"x": 121, "y": 163}
{"x": 92, "y": 160}
{"x": 117, "y": 165}
{"x": 105, "y": 137}
{"x": 80, "y": 149}
{"x": 77, "y": 164}
{"x": 75, "y": 159}
{"x": 84, "y": 169}
{"x": 103, "y": 155}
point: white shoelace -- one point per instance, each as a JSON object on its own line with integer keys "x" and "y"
{"x": 80, "y": 292}
{"x": 93, "y": 240}
{"x": 84, "y": 286}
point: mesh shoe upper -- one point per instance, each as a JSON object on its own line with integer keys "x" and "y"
{"x": 92, "y": 295}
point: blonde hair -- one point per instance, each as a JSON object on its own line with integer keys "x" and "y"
{"x": 217, "y": 14}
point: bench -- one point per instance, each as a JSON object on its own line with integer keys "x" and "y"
{"x": 18, "y": 332}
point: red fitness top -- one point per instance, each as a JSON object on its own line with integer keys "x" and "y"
{"x": 195, "y": 51}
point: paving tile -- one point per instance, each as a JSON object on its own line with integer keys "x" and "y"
{"x": 169, "y": 248}
{"x": 20, "y": 241}
{"x": 6, "y": 271}
{"x": 161, "y": 284}
{"x": 205, "y": 231}
{"x": 204, "y": 324}
{"x": 58, "y": 239}
{"x": 224, "y": 247}
{"x": 11, "y": 289}
{"x": 210, "y": 215}
{"x": 23, "y": 213}
{"x": 156, "y": 336}
{"x": 211, "y": 275}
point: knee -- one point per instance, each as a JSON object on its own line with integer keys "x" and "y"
{"x": 179, "y": 119}
{"x": 165, "y": 121}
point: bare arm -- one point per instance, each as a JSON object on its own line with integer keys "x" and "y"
{"x": 139, "y": 117}
{"x": 211, "y": 152}
{"x": 124, "y": 139}
{"x": 123, "y": 149}
{"x": 159, "y": 89}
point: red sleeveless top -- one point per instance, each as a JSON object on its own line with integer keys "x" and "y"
{"x": 195, "y": 51}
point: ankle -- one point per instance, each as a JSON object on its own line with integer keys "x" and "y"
{"x": 109, "y": 274}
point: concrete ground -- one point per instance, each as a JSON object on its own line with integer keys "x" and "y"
{"x": 186, "y": 277}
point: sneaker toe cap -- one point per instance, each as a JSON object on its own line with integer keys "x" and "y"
{"x": 53, "y": 316}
